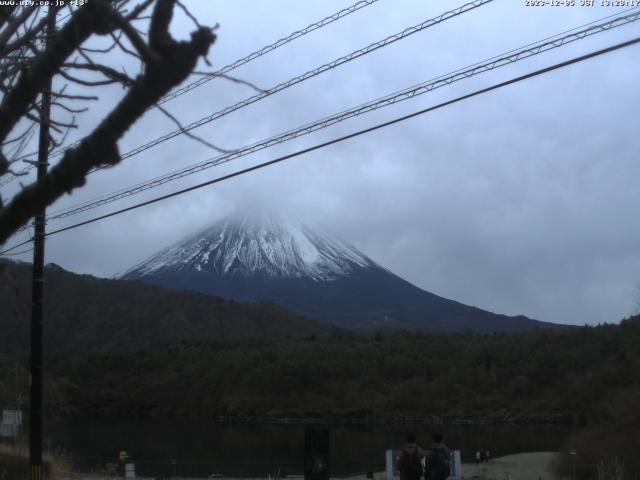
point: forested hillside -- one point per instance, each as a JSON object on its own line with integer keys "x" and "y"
{"x": 82, "y": 312}
{"x": 578, "y": 375}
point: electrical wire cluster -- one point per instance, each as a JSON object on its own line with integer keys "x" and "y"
{"x": 493, "y": 63}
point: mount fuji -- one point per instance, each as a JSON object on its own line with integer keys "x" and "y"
{"x": 262, "y": 257}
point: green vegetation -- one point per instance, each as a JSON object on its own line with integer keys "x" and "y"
{"x": 14, "y": 462}
{"x": 586, "y": 374}
{"x": 607, "y": 448}
{"x": 84, "y": 313}
{"x": 605, "y": 452}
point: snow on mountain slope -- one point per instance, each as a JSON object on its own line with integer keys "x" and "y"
{"x": 260, "y": 257}
{"x": 259, "y": 245}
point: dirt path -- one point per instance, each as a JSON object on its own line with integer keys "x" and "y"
{"x": 523, "y": 466}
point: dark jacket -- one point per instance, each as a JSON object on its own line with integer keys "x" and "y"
{"x": 440, "y": 447}
{"x": 431, "y": 462}
{"x": 408, "y": 449}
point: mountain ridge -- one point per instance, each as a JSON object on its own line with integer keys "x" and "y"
{"x": 280, "y": 246}
{"x": 306, "y": 269}
{"x": 83, "y": 313}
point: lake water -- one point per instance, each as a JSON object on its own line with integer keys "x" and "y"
{"x": 201, "y": 447}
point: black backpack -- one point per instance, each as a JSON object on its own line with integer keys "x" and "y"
{"x": 438, "y": 464}
{"x": 410, "y": 465}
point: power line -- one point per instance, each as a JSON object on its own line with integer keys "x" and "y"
{"x": 6, "y": 252}
{"x": 494, "y": 62}
{"x": 252, "y": 56}
{"x": 301, "y": 78}
{"x": 18, "y": 253}
{"x": 258, "y": 53}
{"x": 232, "y": 66}
{"x": 465, "y": 72}
{"x": 291, "y": 82}
{"x": 406, "y": 94}
{"x": 358, "y": 133}
{"x": 331, "y": 142}
{"x": 309, "y": 74}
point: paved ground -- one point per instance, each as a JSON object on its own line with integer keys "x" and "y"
{"x": 523, "y": 466}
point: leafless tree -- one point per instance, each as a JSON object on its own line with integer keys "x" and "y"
{"x": 28, "y": 62}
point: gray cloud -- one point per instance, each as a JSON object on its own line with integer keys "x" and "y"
{"x": 522, "y": 201}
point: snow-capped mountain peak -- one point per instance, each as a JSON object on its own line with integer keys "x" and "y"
{"x": 258, "y": 244}
{"x": 264, "y": 257}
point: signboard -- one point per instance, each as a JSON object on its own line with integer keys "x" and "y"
{"x": 130, "y": 471}
{"x": 14, "y": 417}
{"x": 456, "y": 464}
{"x": 11, "y": 420}
{"x": 8, "y": 430}
{"x": 390, "y": 461}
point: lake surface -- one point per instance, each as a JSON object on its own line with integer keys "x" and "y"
{"x": 201, "y": 447}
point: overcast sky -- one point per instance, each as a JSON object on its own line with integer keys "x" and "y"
{"x": 521, "y": 201}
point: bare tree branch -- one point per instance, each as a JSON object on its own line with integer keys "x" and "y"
{"x": 98, "y": 50}
{"x": 232, "y": 79}
{"x": 105, "y": 70}
{"x": 117, "y": 41}
{"x": 86, "y": 83}
{"x": 147, "y": 54}
{"x": 29, "y": 36}
{"x": 172, "y": 63}
{"x": 189, "y": 134}
{"x": 76, "y": 97}
{"x": 13, "y": 24}
{"x": 188, "y": 14}
{"x": 85, "y": 21}
{"x": 66, "y": 108}
{"x": 5, "y": 13}
{"x": 135, "y": 13}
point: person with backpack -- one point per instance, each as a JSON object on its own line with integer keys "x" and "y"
{"x": 409, "y": 463}
{"x": 437, "y": 460}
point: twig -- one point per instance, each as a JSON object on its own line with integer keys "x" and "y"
{"x": 189, "y": 134}
{"x": 138, "y": 10}
{"x": 69, "y": 109}
{"x": 103, "y": 69}
{"x": 123, "y": 48}
{"x": 87, "y": 83}
{"x": 188, "y": 13}
{"x": 134, "y": 37}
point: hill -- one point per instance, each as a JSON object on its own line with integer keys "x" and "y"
{"x": 82, "y": 312}
{"x": 587, "y": 374}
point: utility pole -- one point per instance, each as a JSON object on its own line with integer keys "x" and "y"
{"x": 37, "y": 283}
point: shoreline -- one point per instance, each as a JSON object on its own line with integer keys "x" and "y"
{"x": 551, "y": 419}
{"x": 520, "y": 466}
{"x": 356, "y": 418}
